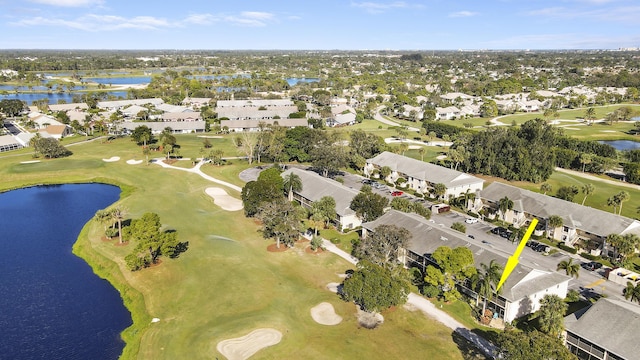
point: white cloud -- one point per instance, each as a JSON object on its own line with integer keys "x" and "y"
{"x": 95, "y": 22}
{"x": 626, "y": 14}
{"x": 376, "y": 8}
{"x": 462, "y": 14}
{"x": 69, "y": 3}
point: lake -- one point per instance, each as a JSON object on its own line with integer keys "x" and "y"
{"x": 296, "y": 81}
{"x": 53, "y": 305}
{"x": 132, "y": 80}
{"x": 622, "y": 145}
{"x": 29, "y": 98}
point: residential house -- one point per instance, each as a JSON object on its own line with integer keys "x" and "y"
{"x": 315, "y": 187}
{"x": 41, "y": 121}
{"x": 68, "y": 107}
{"x": 255, "y": 109}
{"x": 342, "y": 115}
{"x": 578, "y": 222}
{"x": 121, "y": 104}
{"x": 521, "y": 293}
{"x": 257, "y": 125}
{"x": 607, "y": 330}
{"x": 178, "y": 127}
{"x": 8, "y": 142}
{"x": 181, "y": 116}
{"x": 196, "y": 103}
{"x": 454, "y": 97}
{"x": 421, "y": 176}
{"x": 448, "y": 113}
{"x": 57, "y": 131}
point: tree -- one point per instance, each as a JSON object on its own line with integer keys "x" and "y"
{"x": 272, "y": 176}
{"x": 458, "y": 226}
{"x": 49, "y": 147}
{"x": 383, "y": 245}
{"x": 453, "y": 265}
{"x": 613, "y": 201}
{"x": 632, "y": 292}
{"x": 324, "y": 209}
{"x": 625, "y": 245}
{"x": 102, "y": 216}
{"x": 534, "y": 345}
{"x": 439, "y": 190}
{"x": 587, "y": 189}
{"x": 488, "y": 281}
{"x": 12, "y": 107}
{"x": 280, "y": 220}
{"x": 567, "y": 192}
{"x": 489, "y": 108}
{"x": 374, "y": 287}
{"x": 329, "y": 158}
{"x": 572, "y": 269}
{"x": 622, "y": 196}
{"x": 368, "y": 205}
{"x": 551, "y": 315}
{"x": 117, "y": 214}
{"x": 554, "y": 222}
{"x": 292, "y": 183}
{"x": 590, "y": 115}
{"x": 248, "y": 144}
{"x": 545, "y": 187}
{"x": 151, "y": 243}
{"x": 385, "y": 171}
{"x": 585, "y": 159}
{"x": 365, "y": 144}
{"x": 141, "y": 135}
{"x": 255, "y": 193}
{"x": 505, "y": 204}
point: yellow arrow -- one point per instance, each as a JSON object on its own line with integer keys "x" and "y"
{"x": 513, "y": 259}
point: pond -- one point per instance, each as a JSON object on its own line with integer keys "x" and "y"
{"x": 53, "y": 305}
{"x": 295, "y": 81}
{"x": 131, "y": 80}
{"x": 29, "y": 98}
{"x": 622, "y": 145}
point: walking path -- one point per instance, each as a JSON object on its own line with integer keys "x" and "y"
{"x": 379, "y": 117}
{"x": 196, "y": 170}
{"x": 595, "y": 178}
{"x": 428, "y": 308}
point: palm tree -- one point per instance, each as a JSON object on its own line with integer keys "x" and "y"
{"x": 488, "y": 281}
{"x": 572, "y": 269}
{"x": 505, "y": 204}
{"x": 587, "y": 189}
{"x": 585, "y": 159}
{"x": 291, "y": 183}
{"x": 554, "y": 222}
{"x": 590, "y": 115}
{"x": 117, "y": 214}
{"x": 385, "y": 171}
{"x": 421, "y": 151}
{"x": 545, "y": 187}
{"x": 622, "y": 197}
{"x": 102, "y": 216}
{"x": 552, "y": 311}
{"x": 632, "y": 292}
{"x": 613, "y": 201}
{"x": 439, "y": 189}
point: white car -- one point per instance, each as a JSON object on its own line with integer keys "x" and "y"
{"x": 471, "y": 221}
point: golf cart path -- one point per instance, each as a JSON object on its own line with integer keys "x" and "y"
{"x": 196, "y": 170}
{"x": 595, "y": 178}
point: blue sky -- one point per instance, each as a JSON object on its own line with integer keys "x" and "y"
{"x": 321, "y": 24}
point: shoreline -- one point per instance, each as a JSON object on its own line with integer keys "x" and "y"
{"x": 107, "y": 269}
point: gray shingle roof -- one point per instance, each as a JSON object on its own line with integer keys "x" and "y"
{"x": 158, "y": 126}
{"x": 426, "y": 238}
{"x": 573, "y": 215}
{"x": 254, "y": 103}
{"x": 314, "y": 187}
{"x": 424, "y": 171}
{"x": 611, "y": 324}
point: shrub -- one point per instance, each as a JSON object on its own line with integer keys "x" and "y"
{"x": 459, "y": 227}
{"x": 589, "y": 256}
{"x": 316, "y": 242}
{"x": 111, "y": 232}
{"x": 572, "y": 296}
{"x": 567, "y": 248}
{"x": 431, "y": 291}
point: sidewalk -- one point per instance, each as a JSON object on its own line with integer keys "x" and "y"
{"x": 428, "y": 308}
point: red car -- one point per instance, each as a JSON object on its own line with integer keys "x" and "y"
{"x": 396, "y": 193}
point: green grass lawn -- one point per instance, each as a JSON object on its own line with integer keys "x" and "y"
{"x": 226, "y": 284}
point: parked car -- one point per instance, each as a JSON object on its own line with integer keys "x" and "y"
{"x": 396, "y": 193}
{"x": 591, "y": 266}
{"x": 471, "y": 236}
{"x": 471, "y": 221}
{"x": 367, "y": 181}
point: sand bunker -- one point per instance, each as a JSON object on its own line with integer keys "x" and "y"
{"x": 224, "y": 200}
{"x": 608, "y": 131}
{"x": 210, "y": 136}
{"x": 30, "y": 162}
{"x": 333, "y": 287}
{"x": 324, "y": 314}
{"x": 111, "y": 159}
{"x": 134, "y": 162}
{"x": 244, "y": 347}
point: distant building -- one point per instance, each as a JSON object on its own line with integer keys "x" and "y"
{"x": 255, "y": 125}
{"x": 256, "y": 109}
